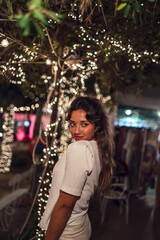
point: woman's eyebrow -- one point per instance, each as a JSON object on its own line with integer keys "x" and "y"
{"x": 83, "y": 121}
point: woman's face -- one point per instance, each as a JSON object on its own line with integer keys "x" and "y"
{"x": 80, "y": 127}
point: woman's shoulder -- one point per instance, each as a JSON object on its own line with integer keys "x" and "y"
{"x": 82, "y": 145}
{"x": 82, "y": 154}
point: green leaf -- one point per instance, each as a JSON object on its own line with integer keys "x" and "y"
{"x": 127, "y": 10}
{"x": 134, "y": 17}
{"x": 37, "y": 2}
{"x": 9, "y": 5}
{"x": 59, "y": 15}
{"x": 137, "y": 7}
{"x": 39, "y": 30}
{"x": 16, "y": 16}
{"x": 10, "y": 17}
{"x": 38, "y": 15}
{"x": 151, "y": 0}
{"x": 26, "y": 31}
{"x": 24, "y": 21}
{"x": 107, "y": 59}
{"x": 121, "y": 6}
{"x": 53, "y": 15}
{"x": 124, "y": 0}
{"x": 34, "y": 4}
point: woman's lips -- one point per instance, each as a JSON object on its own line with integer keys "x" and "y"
{"x": 78, "y": 137}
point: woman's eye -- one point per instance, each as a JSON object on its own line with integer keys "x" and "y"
{"x": 84, "y": 124}
{"x": 71, "y": 124}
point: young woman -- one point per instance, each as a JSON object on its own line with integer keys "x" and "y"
{"x": 86, "y": 166}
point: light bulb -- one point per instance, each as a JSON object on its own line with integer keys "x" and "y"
{"x": 48, "y": 61}
{"x": 5, "y": 43}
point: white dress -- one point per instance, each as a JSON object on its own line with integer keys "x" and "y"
{"x": 76, "y": 173}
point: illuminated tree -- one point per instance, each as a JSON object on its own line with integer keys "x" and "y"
{"x": 123, "y": 34}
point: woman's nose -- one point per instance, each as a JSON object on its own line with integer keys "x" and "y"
{"x": 77, "y": 130}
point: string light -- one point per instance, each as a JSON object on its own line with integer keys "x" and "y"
{"x": 4, "y": 43}
{"x": 15, "y": 64}
{"x": 23, "y": 109}
{"x": 7, "y": 141}
{"x": 116, "y": 46}
{"x": 100, "y": 95}
{"x": 48, "y": 61}
{"x": 74, "y": 64}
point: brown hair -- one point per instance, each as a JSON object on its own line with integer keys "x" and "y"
{"x": 95, "y": 113}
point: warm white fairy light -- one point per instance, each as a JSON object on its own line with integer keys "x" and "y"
{"x": 26, "y": 108}
{"x": 133, "y": 56}
{"x": 117, "y": 46}
{"x": 86, "y": 36}
{"x": 46, "y": 78}
{"x": 15, "y": 64}
{"x": 7, "y": 141}
{"x": 100, "y": 95}
{"x": 23, "y": 108}
{"x": 16, "y": 72}
{"x": 4, "y": 43}
{"x": 48, "y": 61}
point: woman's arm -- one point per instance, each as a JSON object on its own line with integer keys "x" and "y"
{"x": 60, "y": 215}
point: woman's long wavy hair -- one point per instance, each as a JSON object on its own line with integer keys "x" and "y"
{"x": 97, "y": 115}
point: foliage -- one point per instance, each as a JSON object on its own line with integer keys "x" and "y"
{"x": 133, "y": 8}
{"x": 78, "y": 28}
{"x": 36, "y": 11}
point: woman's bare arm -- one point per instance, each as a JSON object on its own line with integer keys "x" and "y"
{"x": 60, "y": 215}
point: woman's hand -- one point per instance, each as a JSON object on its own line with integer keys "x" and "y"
{"x": 60, "y": 215}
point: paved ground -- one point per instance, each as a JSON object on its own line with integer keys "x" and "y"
{"x": 144, "y": 221}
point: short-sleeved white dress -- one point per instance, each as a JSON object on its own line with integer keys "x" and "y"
{"x": 76, "y": 173}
